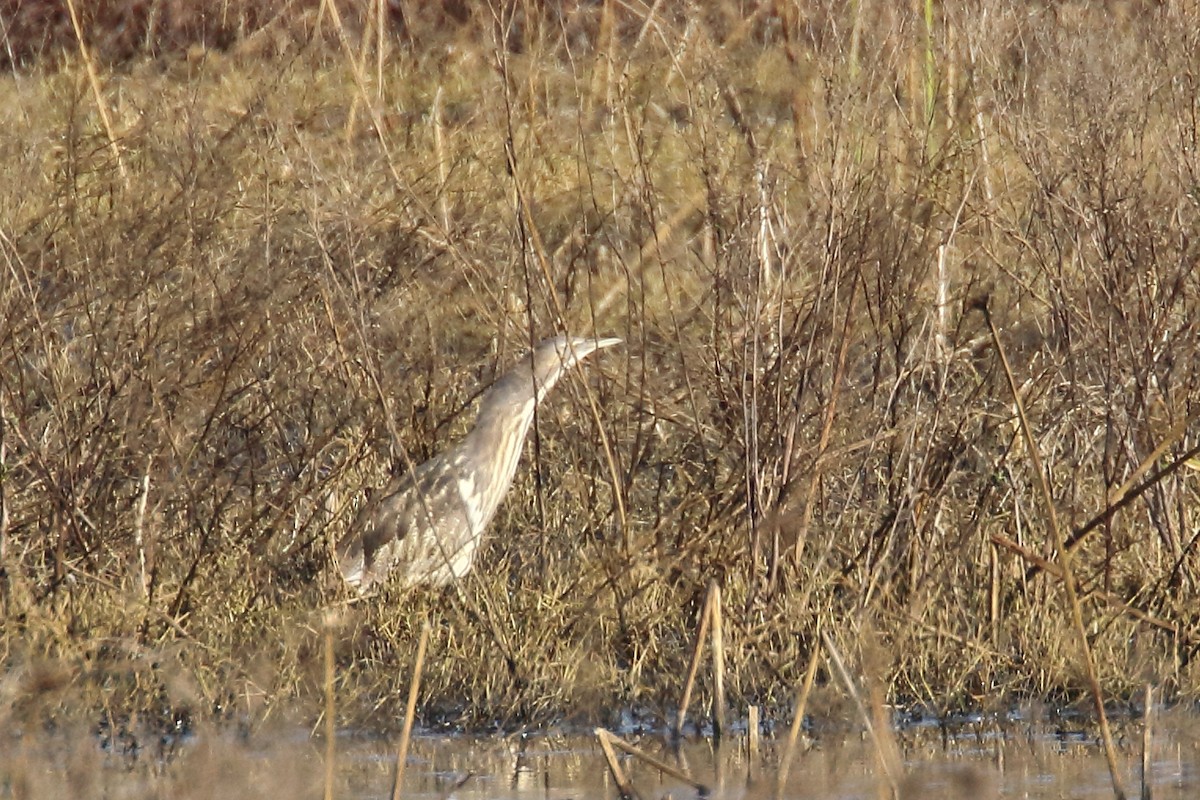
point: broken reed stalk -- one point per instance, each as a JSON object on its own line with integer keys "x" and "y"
{"x": 410, "y": 710}
{"x": 330, "y": 724}
{"x": 1147, "y": 720}
{"x": 690, "y": 682}
{"x": 889, "y": 766}
{"x": 718, "y": 653}
{"x": 656, "y": 763}
{"x": 1064, "y": 557}
{"x": 789, "y": 750}
{"x": 624, "y": 786}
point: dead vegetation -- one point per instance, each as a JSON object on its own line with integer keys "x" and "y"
{"x": 217, "y": 294}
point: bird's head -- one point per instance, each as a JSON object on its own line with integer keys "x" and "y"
{"x": 534, "y": 376}
{"x": 554, "y": 357}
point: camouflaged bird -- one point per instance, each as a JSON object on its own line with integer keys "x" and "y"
{"x": 428, "y": 523}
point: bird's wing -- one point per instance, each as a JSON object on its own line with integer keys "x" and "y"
{"x": 414, "y": 526}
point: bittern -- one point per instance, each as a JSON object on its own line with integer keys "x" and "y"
{"x": 428, "y": 523}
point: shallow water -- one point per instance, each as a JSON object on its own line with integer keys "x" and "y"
{"x": 978, "y": 764}
{"x": 978, "y": 760}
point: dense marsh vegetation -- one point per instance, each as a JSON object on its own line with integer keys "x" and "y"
{"x": 255, "y": 260}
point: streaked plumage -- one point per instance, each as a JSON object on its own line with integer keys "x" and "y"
{"x": 427, "y": 526}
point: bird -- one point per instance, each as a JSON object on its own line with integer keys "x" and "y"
{"x": 427, "y": 524}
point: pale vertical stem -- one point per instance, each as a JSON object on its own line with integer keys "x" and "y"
{"x": 981, "y": 133}
{"x": 439, "y": 146}
{"x": 765, "y": 275}
{"x": 1147, "y": 760}
{"x": 3, "y": 488}
{"x": 139, "y": 529}
{"x": 984, "y": 156}
{"x": 718, "y": 646}
{"x": 942, "y": 288}
{"x": 752, "y": 723}
{"x": 950, "y": 62}
{"x": 330, "y": 724}
{"x": 761, "y": 281}
{"x": 379, "y": 47}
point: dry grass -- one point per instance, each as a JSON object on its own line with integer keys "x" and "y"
{"x": 788, "y": 216}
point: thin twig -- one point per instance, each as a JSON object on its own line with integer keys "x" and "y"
{"x": 439, "y": 151}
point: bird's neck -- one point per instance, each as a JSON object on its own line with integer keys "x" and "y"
{"x": 496, "y": 442}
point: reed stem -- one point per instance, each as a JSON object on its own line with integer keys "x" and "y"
{"x": 410, "y": 710}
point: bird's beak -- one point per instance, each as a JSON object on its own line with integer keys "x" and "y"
{"x": 608, "y": 342}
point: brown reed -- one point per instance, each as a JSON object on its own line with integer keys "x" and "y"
{"x": 410, "y": 711}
